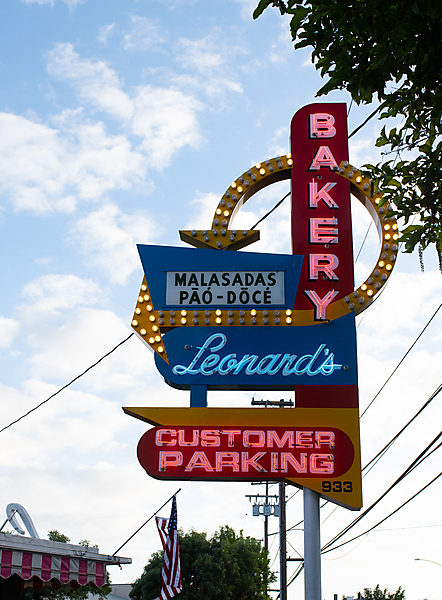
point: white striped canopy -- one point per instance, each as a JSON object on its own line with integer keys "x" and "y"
{"x": 43, "y": 561}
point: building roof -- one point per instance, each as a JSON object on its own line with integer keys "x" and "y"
{"x": 31, "y": 558}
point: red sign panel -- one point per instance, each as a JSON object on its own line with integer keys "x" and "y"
{"x": 321, "y": 215}
{"x": 248, "y": 453}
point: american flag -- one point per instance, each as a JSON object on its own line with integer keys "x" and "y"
{"x": 171, "y": 575}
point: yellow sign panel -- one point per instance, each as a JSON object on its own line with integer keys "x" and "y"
{"x": 345, "y": 489}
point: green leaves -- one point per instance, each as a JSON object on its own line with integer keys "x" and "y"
{"x": 378, "y": 594}
{"x": 227, "y": 566}
{"x": 263, "y": 4}
{"x": 391, "y": 52}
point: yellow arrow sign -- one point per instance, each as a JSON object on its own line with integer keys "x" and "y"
{"x": 150, "y": 323}
{"x": 345, "y": 490}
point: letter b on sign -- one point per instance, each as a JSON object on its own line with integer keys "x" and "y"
{"x": 322, "y": 125}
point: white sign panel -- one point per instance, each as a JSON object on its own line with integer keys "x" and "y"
{"x": 225, "y": 288}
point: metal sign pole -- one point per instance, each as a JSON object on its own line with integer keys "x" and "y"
{"x": 282, "y": 544}
{"x": 312, "y": 546}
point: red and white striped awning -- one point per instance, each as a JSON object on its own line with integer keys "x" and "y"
{"x": 46, "y": 567}
{"x": 53, "y": 562}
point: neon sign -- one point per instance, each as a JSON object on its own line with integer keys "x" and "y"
{"x": 234, "y": 358}
{"x": 319, "y": 363}
{"x": 234, "y": 320}
{"x": 321, "y": 199}
{"x": 245, "y": 452}
{"x": 321, "y": 232}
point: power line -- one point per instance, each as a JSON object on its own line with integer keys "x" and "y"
{"x": 363, "y": 242}
{"x": 415, "y": 463}
{"x": 67, "y": 385}
{"x": 146, "y": 522}
{"x": 271, "y": 210}
{"x": 387, "y": 517}
{"x": 296, "y": 573}
{"x": 403, "y": 358}
{"x": 325, "y": 551}
{"x": 366, "y": 120}
{"x": 379, "y": 455}
{"x": 383, "y": 451}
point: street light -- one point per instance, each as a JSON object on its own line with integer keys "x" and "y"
{"x": 427, "y": 560}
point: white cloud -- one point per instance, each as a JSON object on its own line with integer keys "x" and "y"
{"x": 280, "y": 144}
{"x": 102, "y": 162}
{"x": 208, "y": 60}
{"x": 69, "y": 3}
{"x": 94, "y": 81}
{"x": 143, "y": 34}
{"x": 248, "y": 6}
{"x": 109, "y": 237}
{"x": 274, "y": 230}
{"x": 33, "y": 166}
{"x": 201, "y": 54}
{"x": 166, "y": 121}
{"x": 104, "y": 32}
{"x": 52, "y": 294}
{"x": 9, "y": 329}
{"x": 203, "y": 206}
{"x": 82, "y": 432}
{"x": 49, "y": 169}
{"x": 84, "y": 336}
{"x": 164, "y": 118}
{"x": 362, "y": 147}
{"x": 422, "y": 292}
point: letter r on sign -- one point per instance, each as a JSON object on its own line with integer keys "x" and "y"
{"x": 323, "y": 263}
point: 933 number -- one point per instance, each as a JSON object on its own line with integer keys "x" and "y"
{"x": 337, "y": 486}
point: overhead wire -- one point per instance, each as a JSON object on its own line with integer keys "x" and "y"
{"x": 363, "y": 242}
{"x": 382, "y": 452}
{"x": 415, "y": 463}
{"x": 378, "y": 456}
{"x": 68, "y": 384}
{"x": 387, "y": 446}
{"x": 387, "y": 517}
{"x": 325, "y": 551}
{"x": 271, "y": 210}
{"x": 403, "y": 358}
{"x": 370, "y": 116}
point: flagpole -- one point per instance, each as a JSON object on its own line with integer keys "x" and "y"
{"x": 146, "y": 522}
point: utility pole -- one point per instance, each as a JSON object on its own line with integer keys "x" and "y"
{"x": 282, "y": 514}
{"x": 266, "y": 520}
{"x": 267, "y": 509}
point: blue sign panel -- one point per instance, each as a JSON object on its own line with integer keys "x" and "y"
{"x": 261, "y": 358}
{"x": 196, "y": 278}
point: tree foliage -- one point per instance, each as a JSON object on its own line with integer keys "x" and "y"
{"x": 226, "y": 566}
{"x": 378, "y": 594}
{"x": 392, "y": 52}
{"x": 66, "y": 592}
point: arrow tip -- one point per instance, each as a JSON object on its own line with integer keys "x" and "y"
{"x": 224, "y": 239}
{"x": 147, "y": 322}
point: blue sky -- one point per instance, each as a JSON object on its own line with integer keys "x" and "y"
{"x": 121, "y": 123}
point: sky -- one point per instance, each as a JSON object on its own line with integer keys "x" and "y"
{"x": 122, "y": 123}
